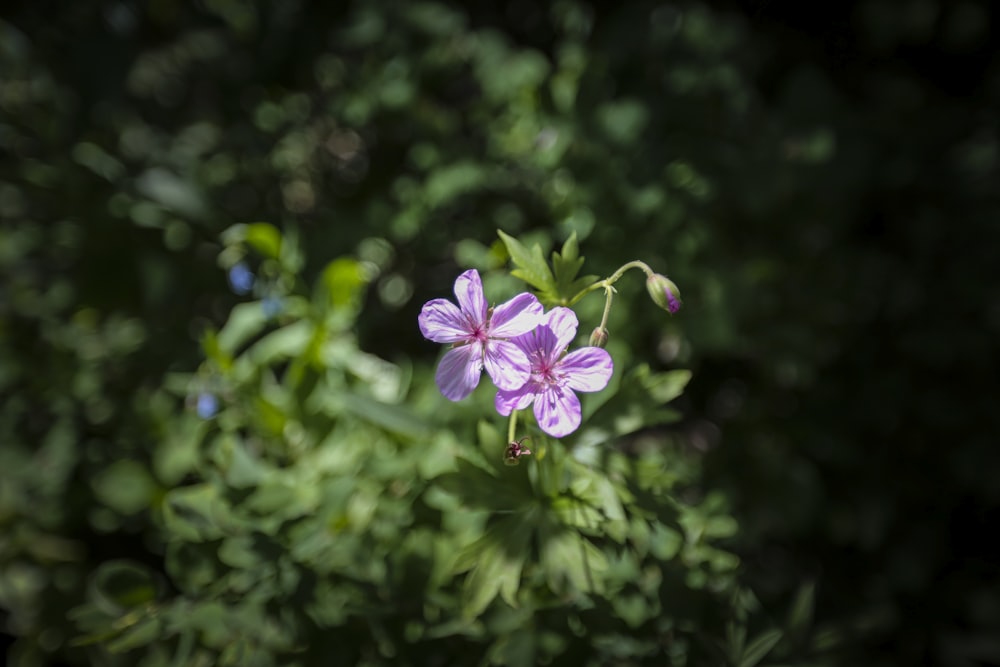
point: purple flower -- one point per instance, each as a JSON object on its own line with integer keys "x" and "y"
{"x": 479, "y": 335}
{"x": 554, "y": 377}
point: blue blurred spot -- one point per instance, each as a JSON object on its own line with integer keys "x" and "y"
{"x": 207, "y": 405}
{"x": 241, "y": 278}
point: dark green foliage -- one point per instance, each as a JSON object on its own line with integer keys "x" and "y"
{"x": 190, "y": 476}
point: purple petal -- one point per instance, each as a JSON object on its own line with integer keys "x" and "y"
{"x": 542, "y": 347}
{"x": 442, "y": 322}
{"x": 563, "y": 323}
{"x": 517, "y": 399}
{"x": 469, "y": 292}
{"x": 586, "y": 369}
{"x": 507, "y": 364}
{"x": 458, "y": 373}
{"x": 557, "y": 410}
{"x": 515, "y": 317}
{"x": 673, "y": 303}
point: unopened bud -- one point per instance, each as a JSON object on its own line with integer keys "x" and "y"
{"x": 664, "y": 293}
{"x": 599, "y": 338}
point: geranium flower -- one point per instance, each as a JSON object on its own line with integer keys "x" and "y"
{"x": 480, "y": 337}
{"x": 554, "y": 377}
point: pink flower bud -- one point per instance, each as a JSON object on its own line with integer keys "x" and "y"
{"x": 599, "y": 338}
{"x": 664, "y": 293}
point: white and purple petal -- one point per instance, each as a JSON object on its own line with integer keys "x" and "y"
{"x": 442, "y": 322}
{"x": 586, "y": 369}
{"x": 469, "y": 292}
{"x": 517, "y": 399}
{"x": 507, "y": 364}
{"x": 458, "y": 373}
{"x": 563, "y": 324}
{"x": 557, "y": 410}
{"x": 516, "y": 316}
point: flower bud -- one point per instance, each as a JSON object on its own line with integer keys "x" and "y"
{"x": 664, "y": 293}
{"x": 599, "y": 338}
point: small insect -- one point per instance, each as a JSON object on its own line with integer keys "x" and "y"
{"x": 515, "y": 451}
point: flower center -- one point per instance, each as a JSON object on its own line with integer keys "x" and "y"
{"x": 543, "y": 370}
{"x": 478, "y": 334}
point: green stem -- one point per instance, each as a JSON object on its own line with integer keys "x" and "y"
{"x": 607, "y": 306}
{"x": 512, "y": 426}
{"x": 635, "y": 264}
{"x": 611, "y": 280}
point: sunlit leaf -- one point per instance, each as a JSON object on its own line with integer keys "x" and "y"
{"x": 530, "y": 265}
{"x": 264, "y": 238}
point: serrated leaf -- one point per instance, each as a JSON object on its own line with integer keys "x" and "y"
{"x": 572, "y": 562}
{"x": 496, "y": 560}
{"x": 482, "y": 488}
{"x": 565, "y": 265}
{"x": 531, "y": 265}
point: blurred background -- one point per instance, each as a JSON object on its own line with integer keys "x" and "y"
{"x": 821, "y": 181}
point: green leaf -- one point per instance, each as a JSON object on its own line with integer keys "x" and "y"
{"x": 664, "y": 542}
{"x": 118, "y": 586}
{"x": 214, "y": 352}
{"x": 488, "y": 488}
{"x": 638, "y": 401}
{"x": 241, "y": 469}
{"x": 265, "y": 238}
{"x": 531, "y": 265}
{"x": 565, "y": 266}
{"x": 245, "y": 321}
{"x": 287, "y": 342}
{"x": 800, "y": 616}
{"x": 269, "y": 416}
{"x": 145, "y": 631}
{"x": 390, "y": 417}
{"x": 238, "y": 552}
{"x": 195, "y": 513}
{"x": 343, "y": 279}
{"x": 571, "y": 563}
{"x": 665, "y": 387}
{"x": 125, "y": 486}
{"x": 496, "y": 560}
{"x": 757, "y": 649}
